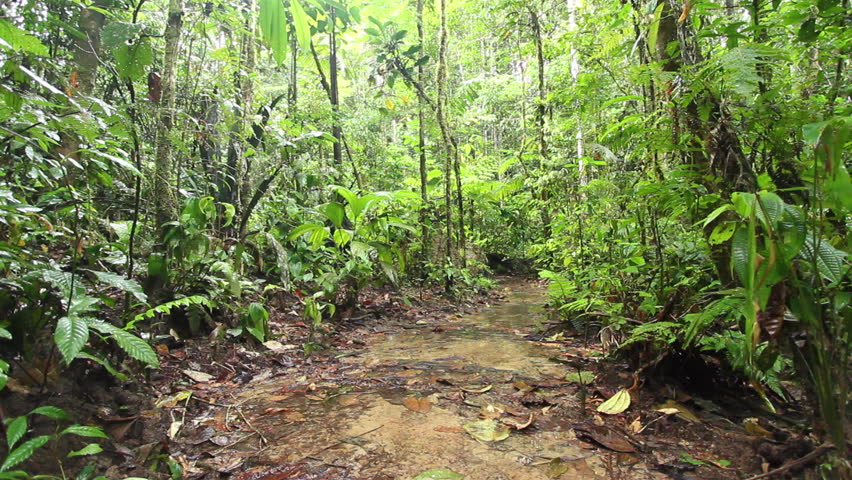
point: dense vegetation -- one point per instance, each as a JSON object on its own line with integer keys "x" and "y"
{"x": 678, "y": 172}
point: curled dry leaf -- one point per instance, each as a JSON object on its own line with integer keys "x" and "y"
{"x": 476, "y": 389}
{"x": 519, "y": 423}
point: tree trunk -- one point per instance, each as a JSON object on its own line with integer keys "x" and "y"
{"x": 449, "y": 150}
{"x": 332, "y": 74}
{"x": 421, "y": 143}
{"x": 165, "y": 202}
{"x": 541, "y": 108}
{"x": 86, "y": 50}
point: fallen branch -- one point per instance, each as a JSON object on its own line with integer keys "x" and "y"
{"x": 787, "y": 466}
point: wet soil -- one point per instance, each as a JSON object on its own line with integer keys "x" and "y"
{"x": 404, "y": 380}
{"x": 398, "y": 399}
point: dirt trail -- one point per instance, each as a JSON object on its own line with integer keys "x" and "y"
{"x": 400, "y": 406}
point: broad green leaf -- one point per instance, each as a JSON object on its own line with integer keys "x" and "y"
{"x": 90, "y": 449}
{"x": 23, "y": 452}
{"x": 654, "y": 29}
{"x": 715, "y": 214}
{"x": 722, "y": 233}
{"x": 300, "y": 24}
{"x": 133, "y": 345}
{"x": 132, "y": 61}
{"x": 126, "y": 284}
{"x": 13, "y": 38}
{"x": 334, "y": 211}
{"x": 107, "y": 366}
{"x": 771, "y": 209}
{"x": 16, "y": 431}
{"x": 831, "y": 262}
{"x": 740, "y": 255}
{"x": 72, "y": 333}
{"x": 51, "y": 412}
{"x": 273, "y": 27}
{"x": 84, "y": 431}
{"x": 303, "y": 229}
{"x": 342, "y": 237}
{"x": 744, "y": 203}
{"x": 616, "y": 403}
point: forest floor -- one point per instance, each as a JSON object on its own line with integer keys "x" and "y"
{"x": 411, "y": 384}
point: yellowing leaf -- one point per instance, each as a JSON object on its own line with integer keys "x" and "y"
{"x": 487, "y": 430}
{"x": 439, "y": 474}
{"x": 389, "y": 104}
{"x": 671, "y": 407}
{"x": 616, "y": 403}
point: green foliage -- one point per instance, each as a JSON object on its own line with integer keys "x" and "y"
{"x": 19, "y": 450}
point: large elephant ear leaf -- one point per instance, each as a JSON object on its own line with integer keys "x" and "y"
{"x": 739, "y": 253}
{"x": 830, "y": 262}
{"x": 771, "y": 209}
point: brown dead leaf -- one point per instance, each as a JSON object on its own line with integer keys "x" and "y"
{"x": 518, "y": 423}
{"x": 421, "y": 405}
{"x": 275, "y": 411}
{"x": 523, "y": 386}
{"x": 606, "y": 438}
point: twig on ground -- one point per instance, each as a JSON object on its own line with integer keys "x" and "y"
{"x": 794, "y": 463}
{"x": 262, "y": 438}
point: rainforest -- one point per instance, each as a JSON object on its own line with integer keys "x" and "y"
{"x": 399, "y": 239}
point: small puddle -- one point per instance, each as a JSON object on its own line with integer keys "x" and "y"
{"x": 357, "y": 422}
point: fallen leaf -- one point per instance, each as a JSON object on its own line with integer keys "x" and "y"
{"x": 585, "y": 377}
{"x": 636, "y": 426}
{"x": 174, "y": 428}
{"x": 519, "y": 424}
{"x": 487, "y": 430}
{"x": 616, "y": 403}
{"x": 490, "y": 411}
{"x": 671, "y": 407}
{"x": 196, "y": 376}
{"x": 277, "y": 346}
{"x": 476, "y": 389}
{"x": 556, "y": 468}
{"x": 754, "y": 429}
{"x": 605, "y": 437}
{"x": 172, "y": 400}
{"x": 439, "y": 474}
{"x": 421, "y": 405}
{"x": 523, "y": 386}
{"x": 275, "y": 410}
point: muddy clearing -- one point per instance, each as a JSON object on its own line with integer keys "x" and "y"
{"x": 471, "y": 394}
